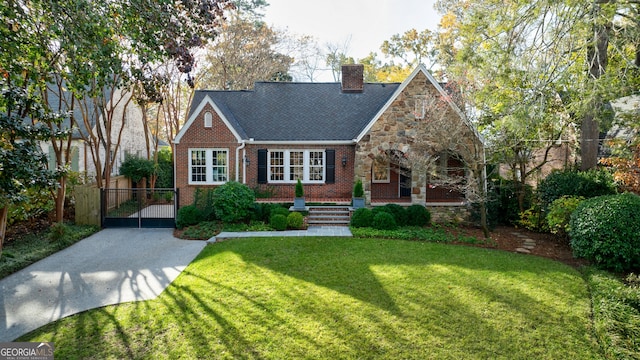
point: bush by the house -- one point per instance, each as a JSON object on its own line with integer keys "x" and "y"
{"x": 279, "y": 210}
{"x": 399, "y": 213}
{"x": 362, "y": 217}
{"x": 233, "y": 202}
{"x": 587, "y": 184}
{"x": 418, "y": 215}
{"x": 560, "y": 213}
{"x": 188, "y": 215}
{"x": 278, "y": 222}
{"x": 384, "y": 221}
{"x": 606, "y": 231}
{"x": 295, "y": 220}
{"x": 203, "y": 201}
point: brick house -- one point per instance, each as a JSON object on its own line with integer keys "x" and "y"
{"x": 326, "y": 134}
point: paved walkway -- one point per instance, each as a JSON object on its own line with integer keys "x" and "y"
{"x": 109, "y": 267}
{"x": 311, "y": 231}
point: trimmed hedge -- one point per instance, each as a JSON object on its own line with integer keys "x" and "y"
{"x": 278, "y": 222}
{"x": 295, "y": 220}
{"x": 418, "y": 215}
{"x": 606, "y": 231}
{"x": 384, "y": 221}
{"x": 188, "y": 215}
{"x": 362, "y": 217}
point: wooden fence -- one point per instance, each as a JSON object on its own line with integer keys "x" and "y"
{"x": 88, "y": 200}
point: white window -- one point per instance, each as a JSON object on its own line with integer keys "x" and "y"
{"x": 208, "y": 166}
{"x": 381, "y": 171}
{"x": 208, "y": 119}
{"x": 287, "y": 166}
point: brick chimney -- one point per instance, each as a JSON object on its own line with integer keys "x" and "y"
{"x": 352, "y": 78}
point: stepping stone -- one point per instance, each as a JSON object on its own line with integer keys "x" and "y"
{"x": 529, "y": 247}
{"x": 523, "y": 251}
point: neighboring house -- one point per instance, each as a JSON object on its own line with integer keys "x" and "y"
{"x": 132, "y": 134}
{"x": 326, "y": 134}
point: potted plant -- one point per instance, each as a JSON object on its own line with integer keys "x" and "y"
{"x": 358, "y": 195}
{"x": 298, "y": 201}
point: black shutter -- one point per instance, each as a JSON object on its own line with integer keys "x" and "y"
{"x": 262, "y": 166}
{"x": 331, "y": 166}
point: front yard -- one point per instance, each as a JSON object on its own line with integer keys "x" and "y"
{"x": 346, "y": 298}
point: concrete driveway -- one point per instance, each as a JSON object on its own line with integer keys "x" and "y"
{"x": 109, "y": 267}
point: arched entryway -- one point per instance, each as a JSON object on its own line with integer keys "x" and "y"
{"x": 391, "y": 178}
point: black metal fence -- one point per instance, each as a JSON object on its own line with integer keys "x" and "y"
{"x": 141, "y": 208}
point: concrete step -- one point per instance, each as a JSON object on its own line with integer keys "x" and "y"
{"x": 329, "y": 216}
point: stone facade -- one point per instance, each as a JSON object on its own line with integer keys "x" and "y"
{"x": 398, "y": 129}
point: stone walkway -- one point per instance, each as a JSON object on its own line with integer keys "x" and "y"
{"x": 527, "y": 243}
{"x": 311, "y": 231}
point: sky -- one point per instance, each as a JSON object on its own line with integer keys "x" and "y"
{"x": 366, "y": 24}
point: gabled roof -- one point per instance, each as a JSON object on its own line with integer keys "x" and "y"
{"x": 290, "y": 112}
{"x": 445, "y": 95}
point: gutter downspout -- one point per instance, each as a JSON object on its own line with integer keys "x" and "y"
{"x": 238, "y": 160}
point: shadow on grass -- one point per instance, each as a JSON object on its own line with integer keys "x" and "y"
{"x": 347, "y": 298}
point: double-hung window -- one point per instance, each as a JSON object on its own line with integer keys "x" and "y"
{"x": 288, "y": 166}
{"x": 208, "y": 166}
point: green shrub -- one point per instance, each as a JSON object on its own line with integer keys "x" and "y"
{"x": 233, "y": 202}
{"x": 560, "y": 213}
{"x": 203, "y": 200}
{"x": 399, "y": 213}
{"x": 533, "y": 219}
{"x": 164, "y": 169}
{"x": 188, "y": 215}
{"x": 37, "y": 203}
{"x": 137, "y": 168}
{"x": 606, "y": 231}
{"x": 57, "y": 231}
{"x": 384, "y": 221}
{"x": 279, "y": 210}
{"x": 358, "y": 191}
{"x": 503, "y": 207}
{"x": 295, "y": 220}
{"x": 299, "y": 189}
{"x": 278, "y": 222}
{"x": 362, "y": 217}
{"x": 587, "y": 184}
{"x": 418, "y": 215}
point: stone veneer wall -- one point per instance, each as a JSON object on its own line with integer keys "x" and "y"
{"x": 450, "y": 214}
{"x": 397, "y": 129}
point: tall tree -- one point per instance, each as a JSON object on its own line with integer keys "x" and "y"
{"x": 244, "y": 52}
{"x": 22, "y": 163}
{"x": 562, "y": 50}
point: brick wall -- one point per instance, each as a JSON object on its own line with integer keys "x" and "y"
{"x": 197, "y": 136}
{"x": 219, "y": 136}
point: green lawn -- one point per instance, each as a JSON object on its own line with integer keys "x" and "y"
{"x": 343, "y": 298}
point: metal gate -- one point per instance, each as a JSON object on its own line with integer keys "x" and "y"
{"x": 139, "y": 208}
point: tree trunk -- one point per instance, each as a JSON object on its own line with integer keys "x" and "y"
{"x": 597, "y": 58}
{"x": 60, "y": 197}
{"x": 590, "y": 134}
{"x": 3, "y": 225}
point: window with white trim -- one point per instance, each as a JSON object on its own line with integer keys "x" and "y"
{"x": 287, "y": 166}
{"x": 208, "y": 166}
{"x": 381, "y": 171}
{"x": 208, "y": 119}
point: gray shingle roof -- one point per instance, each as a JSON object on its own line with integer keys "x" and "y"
{"x": 283, "y": 111}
